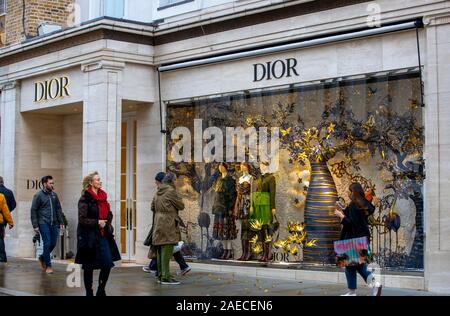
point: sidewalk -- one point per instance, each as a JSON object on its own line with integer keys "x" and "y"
{"x": 24, "y": 277}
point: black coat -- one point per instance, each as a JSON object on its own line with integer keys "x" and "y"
{"x": 9, "y": 196}
{"x": 355, "y": 223}
{"x": 88, "y": 232}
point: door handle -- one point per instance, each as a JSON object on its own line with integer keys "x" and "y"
{"x": 131, "y": 214}
{"x": 128, "y": 217}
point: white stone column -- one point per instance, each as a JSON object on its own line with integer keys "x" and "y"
{"x": 150, "y": 161}
{"x": 9, "y": 109}
{"x": 437, "y": 153}
{"x": 17, "y": 241}
{"x": 102, "y": 117}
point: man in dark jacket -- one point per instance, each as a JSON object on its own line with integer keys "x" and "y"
{"x": 11, "y": 202}
{"x": 47, "y": 218}
{"x": 9, "y": 195}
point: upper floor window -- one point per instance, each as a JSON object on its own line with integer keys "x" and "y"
{"x": 2, "y": 7}
{"x": 169, "y": 3}
{"x": 114, "y": 8}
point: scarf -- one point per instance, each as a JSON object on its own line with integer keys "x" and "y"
{"x": 103, "y": 205}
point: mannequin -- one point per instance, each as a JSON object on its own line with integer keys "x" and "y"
{"x": 264, "y": 210}
{"x": 224, "y": 220}
{"x": 242, "y": 209}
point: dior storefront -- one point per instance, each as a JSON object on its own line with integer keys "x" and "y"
{"x": 363, "y": 105}
{"x": 327, "y": 116}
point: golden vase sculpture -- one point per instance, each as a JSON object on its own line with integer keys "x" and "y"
{"x": 320, "y": 221}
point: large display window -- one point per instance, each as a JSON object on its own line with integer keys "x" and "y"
{"x": 318, "y": 138}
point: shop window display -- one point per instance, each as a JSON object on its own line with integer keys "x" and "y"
{"x": 331, "y": 134}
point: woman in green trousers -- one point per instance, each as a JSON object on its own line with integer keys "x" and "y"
{"x": 166, "y": 228}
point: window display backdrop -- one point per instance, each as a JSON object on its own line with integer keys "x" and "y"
{"x": 331, "y": 134}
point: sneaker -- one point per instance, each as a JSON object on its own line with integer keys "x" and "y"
{"x": 376, "y": 289}
{"x": 49, "y": 270}
{"x": 146, "y": 269}
{"x": 185, "y": 271}
{"x": 351, "y": 293}
{"x": 170, "y": 282}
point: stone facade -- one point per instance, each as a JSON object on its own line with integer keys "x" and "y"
{"x": 36, "y": 12}
{"x": 114, "y": 75}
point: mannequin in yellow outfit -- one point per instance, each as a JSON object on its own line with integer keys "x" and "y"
{"x": 5, "y": 216}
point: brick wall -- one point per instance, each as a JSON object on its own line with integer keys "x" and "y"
{"x": 36, "y": 12}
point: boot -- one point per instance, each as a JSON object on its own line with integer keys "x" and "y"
{"x": 244, "y": 249}
{"x": 88, "y": 282}
{"x": 248, "y": 252}
{"x": 100, "y": 291}
{"x": 269, "y": 251}
{"x": 225, "y": 254}
{"x": 265, "y": 257}
{"x": 230, "y": 254}
{"x": 102, "y": 280}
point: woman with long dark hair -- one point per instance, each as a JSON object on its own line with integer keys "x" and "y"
{"x": 96, "y": 248}
{"x": 355, "y": 225}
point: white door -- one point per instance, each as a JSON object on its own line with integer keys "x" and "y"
{"x": 128, "y": 189}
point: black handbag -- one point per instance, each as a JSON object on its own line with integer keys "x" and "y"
{"x": 109, "y": 229}
{"x": 148, "y": 240}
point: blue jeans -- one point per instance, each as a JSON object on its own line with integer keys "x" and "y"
{"x": 350, "y": 273}
{"x": 49, "y": 238}
{"x": 178, "y": 258}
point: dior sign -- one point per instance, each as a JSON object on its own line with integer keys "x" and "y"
{"x": 51, "y": 89}
{"x": 34, "y": 184}
{"x": 275, "y": 69}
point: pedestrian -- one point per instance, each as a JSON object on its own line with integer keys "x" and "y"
{"x": 11, "y": 203}
{"x": 354, "y": 220}
{"x": 178, "y": 256}
{"x": 47, "y": 219}
{"x": 5, "y": 218}
{"x": 9, "y": 195}
{"x": 166, "y": 230}
{"x": 153, "y": 266}
{"x": 96, "y": 247}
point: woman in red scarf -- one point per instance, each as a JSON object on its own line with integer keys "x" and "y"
{"x": 96, "y": 248}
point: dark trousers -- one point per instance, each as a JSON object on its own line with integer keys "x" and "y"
{"x": 2, "y": 243}
{"x": 49, "y": 235}
{"x": 350, "y": 273}
{"x": 89, "y": 280}
{"x": 178, "y": 258}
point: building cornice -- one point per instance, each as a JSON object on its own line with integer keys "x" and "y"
{"x": 102, "y": 64}
{"x": 437, "y": 19}
{"x": 9, "y": 85}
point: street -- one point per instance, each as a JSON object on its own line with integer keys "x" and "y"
{"x": 22, "y": 277}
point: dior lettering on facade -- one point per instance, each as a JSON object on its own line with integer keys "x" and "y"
{"x": 34, "y": 184}
{"x": 51, "y": 89}
{"x": 275, "y": 69}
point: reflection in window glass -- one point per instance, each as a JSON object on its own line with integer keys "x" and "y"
{"x": 331, "y": 135}
{"x": 114, "y": 8}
